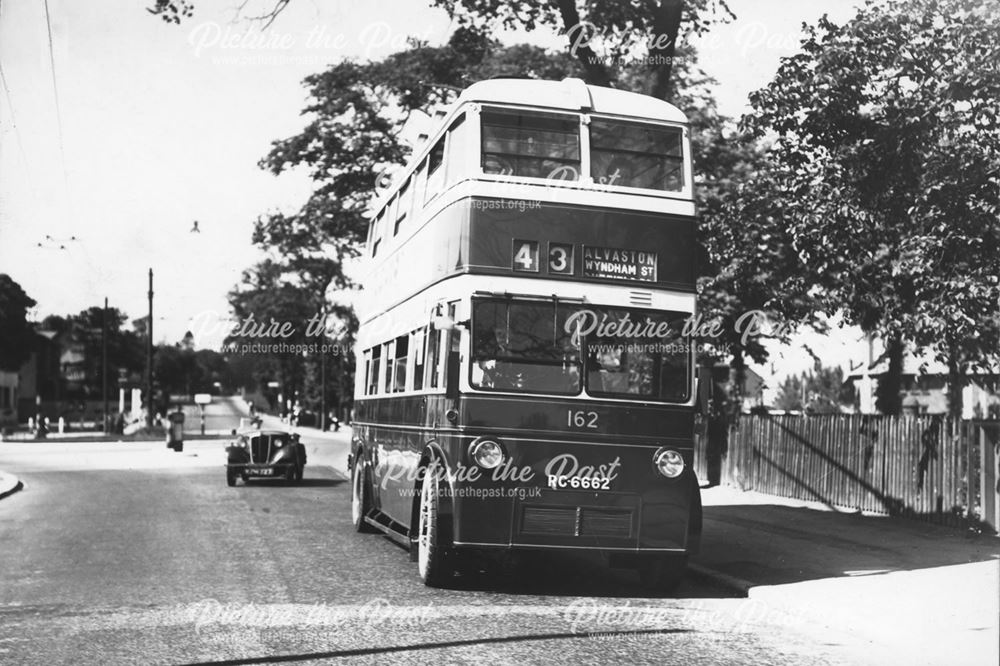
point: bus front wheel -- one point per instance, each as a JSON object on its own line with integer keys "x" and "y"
{"x": 432, "y": 557}
{"x": 360, "y": 497}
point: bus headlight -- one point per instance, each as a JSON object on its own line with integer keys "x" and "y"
{"x": 669, "y": 463}
{"x": 486, "y": 453}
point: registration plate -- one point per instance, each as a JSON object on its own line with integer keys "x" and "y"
{"x": 261, "y": 471}
{"x": 559, "y": 481}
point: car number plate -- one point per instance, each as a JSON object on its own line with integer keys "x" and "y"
{"x": 263, "y": 471}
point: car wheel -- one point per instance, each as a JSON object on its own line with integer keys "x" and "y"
{"x": 360, "y": 499}
{"x": 432, "y": 558}
{"x": 298, "y": 474}
{"x": 663, "y": 573}
{"x": 230, "y": 476}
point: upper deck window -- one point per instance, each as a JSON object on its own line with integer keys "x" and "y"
{"x": 636, "y": 155}
{"x": 531, "y": 144}
{"x": 377, "y": 233}
{"x": 403, "y": 206}
{"x": 435, "y": 176}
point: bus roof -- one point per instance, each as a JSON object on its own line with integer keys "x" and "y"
{"x": 571, "y": 95}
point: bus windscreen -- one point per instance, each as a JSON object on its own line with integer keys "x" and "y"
{"x": 553, "y": 347}
{"x": 637, "y": 354}
{"x": 523, "y": 346}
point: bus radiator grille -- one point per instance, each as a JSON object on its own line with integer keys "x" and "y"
{"x": 577, "y": 521}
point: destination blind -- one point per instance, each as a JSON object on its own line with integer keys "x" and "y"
{"x": 604, "y": 262}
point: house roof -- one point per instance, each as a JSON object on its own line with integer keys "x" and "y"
{"x": 914, "y": 365}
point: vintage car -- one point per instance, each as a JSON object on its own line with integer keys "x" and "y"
{"x": 265, "y": 454}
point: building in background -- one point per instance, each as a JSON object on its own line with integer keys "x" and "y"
{"x": 925, "y": 388}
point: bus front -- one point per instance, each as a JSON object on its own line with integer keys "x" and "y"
{"x": 572, "y": 424}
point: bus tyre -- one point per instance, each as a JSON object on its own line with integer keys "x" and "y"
{"x": 662, "y": 573}
{"x": 432, "y": 558}
{"x": 360, "y": 498}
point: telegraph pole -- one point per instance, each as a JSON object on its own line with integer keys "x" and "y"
{"x": 104, "y": 363}
{"x": 322, "y": 376}
{"x": 149, "y": 357}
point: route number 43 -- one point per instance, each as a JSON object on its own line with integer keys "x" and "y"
{"x": 581, "y": 419}
{"x": 525, "y": 257}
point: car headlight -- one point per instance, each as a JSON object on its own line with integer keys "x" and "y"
{"x": 669, "y": 463}
{"x": 486, "y": 453}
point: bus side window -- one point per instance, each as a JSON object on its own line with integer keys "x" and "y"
{"x": 417, "y": 343}
{"x": 399, "y": 367}
{"x": 366, "y": 380}
{"x": 451, "y": 361}
{"x": 376, "y": 354}
{"x": 435, "y": 176}
{"x": 433, "y": 356}
{"x": 387, "y": 353}
{"x": 419, "y": 185}
{"x": 458, "y": 151}
{"x": 377, "y": 233}
{"x": 403, "y": 207}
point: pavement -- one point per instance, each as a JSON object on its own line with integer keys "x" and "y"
{"x": 905, "y": 586}
{"x": 9, "y": 484}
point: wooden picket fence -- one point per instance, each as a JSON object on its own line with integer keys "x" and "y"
{"x": 928, "y": 466}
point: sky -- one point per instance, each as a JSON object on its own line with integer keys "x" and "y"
{"x": 128, "y": 130}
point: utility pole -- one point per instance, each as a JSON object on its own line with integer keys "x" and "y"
{"x": 322, "y": 376}
{"x": 104, "y": 363}
{"x": 149, "y": 357}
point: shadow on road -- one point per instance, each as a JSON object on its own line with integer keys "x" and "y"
{"x": 569, "y": 575}
{"x": 769, "y": 544}
{"x": 305, "y": 483}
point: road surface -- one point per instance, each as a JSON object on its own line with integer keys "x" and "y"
{"x": 120, "y": 553}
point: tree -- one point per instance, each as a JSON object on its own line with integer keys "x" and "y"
{"x": 269, "y": 295}
{"x": 822, "y": 391}
{"x": 16, "y": 333}
{"x": 357, "y": 110}
{"x": 83, "y": 331}
{"x": 180, "y": 369}
{"x": 604, "y": 35}
{"x": 356, "y": 114}
{"x": 883, "y": 179}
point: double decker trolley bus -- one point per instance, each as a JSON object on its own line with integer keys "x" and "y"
{"x": 522, "y": 377}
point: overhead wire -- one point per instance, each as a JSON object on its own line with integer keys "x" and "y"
{"x": 13, "y": 115}
{"x": 55, "y": 93}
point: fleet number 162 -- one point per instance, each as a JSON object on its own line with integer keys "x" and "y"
{"x": 578, "y": 418}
